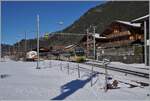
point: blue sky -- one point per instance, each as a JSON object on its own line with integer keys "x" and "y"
{"x": 19, "y": 17}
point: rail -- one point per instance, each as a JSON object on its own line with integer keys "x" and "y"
{"x": 140, "y": 74}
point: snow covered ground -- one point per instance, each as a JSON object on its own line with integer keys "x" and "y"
{"x": 22, "y": 81}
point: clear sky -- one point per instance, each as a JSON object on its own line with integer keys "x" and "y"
{"x": 18, "y": 17}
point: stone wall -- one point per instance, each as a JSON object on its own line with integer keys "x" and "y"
{"x": 124, "y": 59}
{"x": 129, "y": 54}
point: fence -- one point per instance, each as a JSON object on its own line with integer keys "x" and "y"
{"x": 78, "y": 69}
{"x": 93, "y": 73}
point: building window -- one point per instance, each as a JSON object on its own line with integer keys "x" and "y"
{"x": 139, "y": 37}
{"x": 131, "y": 38}
{"x": 116, "y": 31}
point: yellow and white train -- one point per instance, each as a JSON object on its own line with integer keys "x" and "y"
{"x": 76, "y": 55}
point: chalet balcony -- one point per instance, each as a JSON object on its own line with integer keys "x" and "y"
{"x": 118, "y": 34}
{"x": 116, "y": 43}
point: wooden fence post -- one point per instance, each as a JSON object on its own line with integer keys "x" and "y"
{"x": 91, "y": 75}
{"x": 106, "y": 82}
{"x": 50, "y": 64}
{"x": 61, "y": 66}
{"x": 68, "y": 67}
{"x": 78, "y": 71}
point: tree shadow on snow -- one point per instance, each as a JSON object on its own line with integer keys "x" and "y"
{"x": 71, "y": 87}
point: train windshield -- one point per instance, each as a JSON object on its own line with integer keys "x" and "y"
{"x": 79, "y": 51}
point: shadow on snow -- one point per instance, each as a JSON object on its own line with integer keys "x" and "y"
{"x": 71, "y": 87}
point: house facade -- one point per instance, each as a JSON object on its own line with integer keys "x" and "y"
{"x": 123, "y": 42}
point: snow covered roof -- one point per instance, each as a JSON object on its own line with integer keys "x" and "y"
{"x": 69, "y": 46}
{"x": 30, "y": 52}
{"x": 129, "y": 23}
{"x": 97, "y": 35}
{"x": 141, "y": 18}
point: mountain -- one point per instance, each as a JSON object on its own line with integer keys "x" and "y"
{"x": 101, "y": 16}
{"x": 104, "y": 14}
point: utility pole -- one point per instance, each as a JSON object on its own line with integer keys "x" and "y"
{"x": 18, "y": 46}
{"x": 145, "y": 43}
{"x": 25, "y": 45}
{"x": 94, "y": 28}
{"x": 9, "y": 50}
{"x": 38, "y": 20}
{"x": 87, "y": 41}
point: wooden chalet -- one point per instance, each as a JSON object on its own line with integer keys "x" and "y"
{"x": 121, "y": 33}
{"x": 123, "y": 42}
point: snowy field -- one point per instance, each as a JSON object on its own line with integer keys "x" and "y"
{"x": 54, "y": 81}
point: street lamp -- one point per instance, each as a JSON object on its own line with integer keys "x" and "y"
{"x": 38, "y": 20}
{"x": 60, "y": 23}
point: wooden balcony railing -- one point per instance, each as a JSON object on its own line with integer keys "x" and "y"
{"x": 116, "y": 43}
{"x": 119, "y": 34}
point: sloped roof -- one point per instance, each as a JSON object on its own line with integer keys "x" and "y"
{"x": 126, "y": 23}
{"x": 69, "y": 46}
{"x": 141, "y": 18}
{"x": 129, "y": 23}
{"x": 97, "y": 36}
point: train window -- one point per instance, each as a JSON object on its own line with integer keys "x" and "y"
{"x": 79, "y": 51}
{"x": 71, "y": 53}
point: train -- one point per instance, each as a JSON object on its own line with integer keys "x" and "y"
{"x": 31, "y": 56}
{"x": 76, "y": 55}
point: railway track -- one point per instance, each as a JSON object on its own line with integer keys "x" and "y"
{"x": 140, "y": 74}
